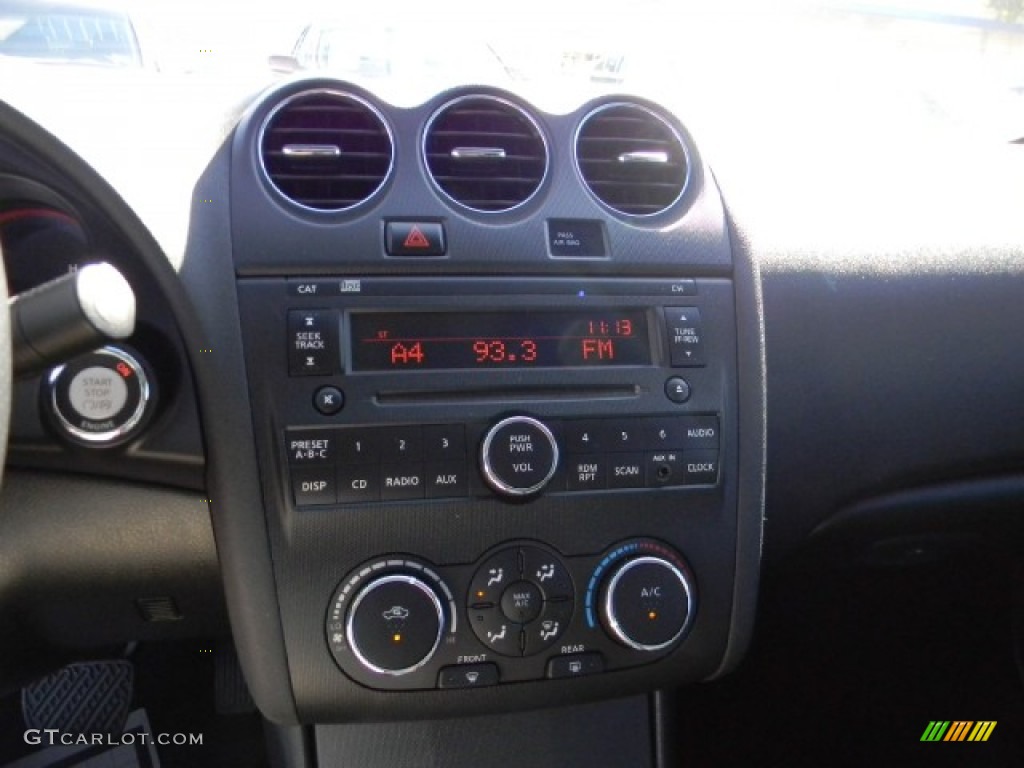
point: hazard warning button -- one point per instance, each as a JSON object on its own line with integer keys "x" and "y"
{"x": 415, "y": 238}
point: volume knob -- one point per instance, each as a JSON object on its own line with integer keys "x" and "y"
{"x": 518, "y": 456}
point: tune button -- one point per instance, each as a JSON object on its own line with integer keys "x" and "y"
{"x": 519, "y": 456}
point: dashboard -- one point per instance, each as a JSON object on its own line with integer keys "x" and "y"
{"x": 473, "y": 407}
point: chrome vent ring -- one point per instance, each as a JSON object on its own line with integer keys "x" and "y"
{"x": 326, "y": 150}
{"x": 485, "y": 153}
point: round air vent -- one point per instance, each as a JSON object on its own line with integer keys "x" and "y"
{"x": 326, "y": 150}
{"x": 485, "y": 153}
{"x": 631, "y": 159}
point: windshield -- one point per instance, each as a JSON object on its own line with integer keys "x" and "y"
{"x": 827, "y": 80}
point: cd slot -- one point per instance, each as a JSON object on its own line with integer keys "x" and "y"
{"x": 506, "y": 395}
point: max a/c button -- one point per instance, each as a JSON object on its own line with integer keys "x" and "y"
{"x": 415, "y": 238}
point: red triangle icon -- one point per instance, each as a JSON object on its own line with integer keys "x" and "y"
{"x": 416, "y": 239}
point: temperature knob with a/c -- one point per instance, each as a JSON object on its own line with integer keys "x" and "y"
{"x": 647, "y": 602}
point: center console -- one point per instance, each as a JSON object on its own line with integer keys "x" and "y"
{"x": 508, "y": 459}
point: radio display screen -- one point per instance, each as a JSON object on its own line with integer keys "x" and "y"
{"x": 388, "y": 341}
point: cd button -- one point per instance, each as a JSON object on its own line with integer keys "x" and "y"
{"x": 359, "y": 483}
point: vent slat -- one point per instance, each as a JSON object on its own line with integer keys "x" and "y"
{"x": 634, "y": 189}
{"x": 490, "y": 184}
{"x": 327, "y": 183}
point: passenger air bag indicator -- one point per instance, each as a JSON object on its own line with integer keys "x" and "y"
{"x": 576, "y": 238}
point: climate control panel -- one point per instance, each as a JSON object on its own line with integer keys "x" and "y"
{"x": 522, "y": 612}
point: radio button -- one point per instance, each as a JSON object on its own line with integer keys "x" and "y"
{"x": 519, "y": 456}
{"x": 358, "y": 484}
{"x": 587, "y": 473}
{"x": 685, "y": 336}
{"x": 312, "y": 486}
{"x": 700, "y": 433}
{"x": 310, "y": 446}
{"x": 626, "y": 470}
{"x": 447, "y": 479}
{"x": 402, "y": 482}
{"x": 444, "y": 441}
{"x": 401, "y": 443}
{"x": 701, "y": 467}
